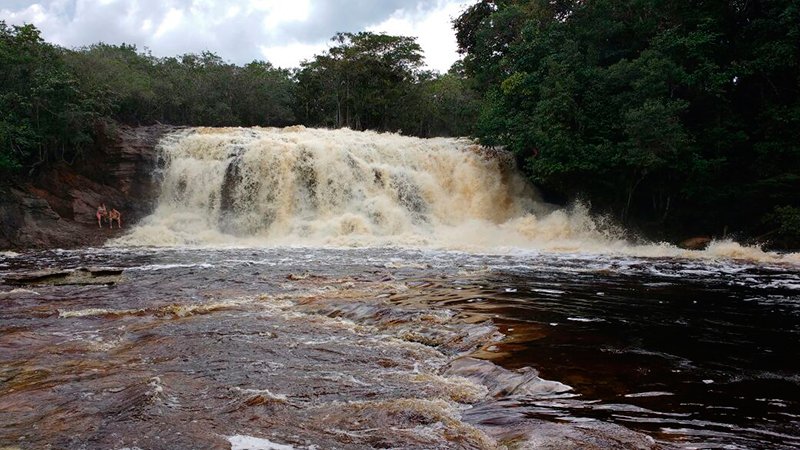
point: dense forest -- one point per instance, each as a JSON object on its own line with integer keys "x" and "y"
{"x": 676, "y": 118}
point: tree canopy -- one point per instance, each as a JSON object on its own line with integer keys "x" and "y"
{"x": 674, "y": 115}
{"x": 43, "y": 114}
{"x": 374, "y": 81}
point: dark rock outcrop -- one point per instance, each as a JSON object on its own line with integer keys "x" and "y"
{"x": 57, "y": 207}
{"x": 57, "y": 277}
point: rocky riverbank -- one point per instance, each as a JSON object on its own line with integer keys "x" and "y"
{"x": 57, "y": 207}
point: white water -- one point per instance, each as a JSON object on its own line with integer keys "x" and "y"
{"x": 315, "y": 187}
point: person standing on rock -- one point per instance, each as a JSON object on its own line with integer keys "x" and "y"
{"x": 102, "y": 213}
{"x": 112, "y": 216}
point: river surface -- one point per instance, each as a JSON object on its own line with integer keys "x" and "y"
{"x": 317, "y": 348}
{"x": 316, "y": 289}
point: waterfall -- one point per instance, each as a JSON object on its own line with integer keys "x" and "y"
{"x": 299, "y": 186}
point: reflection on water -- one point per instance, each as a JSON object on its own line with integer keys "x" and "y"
{"x": 315, "y": 348}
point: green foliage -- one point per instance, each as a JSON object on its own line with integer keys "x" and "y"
{"x": 787, "y": 220}
{"x": 118, "y": 78}
{"x": 448, "y": 106}
{"x": 373, "y": 81}
{"x": 685, "y": 116}
{"x": 360, "y": 82}
{"x": 186, "y": 90}
{"x": 44, "y": 116}
{"x": 264, "y": 94}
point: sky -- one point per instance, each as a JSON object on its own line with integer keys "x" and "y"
{"x": 283, "y": 32}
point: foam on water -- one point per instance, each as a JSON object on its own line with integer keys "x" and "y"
{"x": 176, "y": 310}
{"x": 341, "y": 188}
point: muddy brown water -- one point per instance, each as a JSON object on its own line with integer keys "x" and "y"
{"x": 387, "y": 348}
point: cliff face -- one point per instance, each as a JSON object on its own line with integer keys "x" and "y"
{"x": 57, "y": 208}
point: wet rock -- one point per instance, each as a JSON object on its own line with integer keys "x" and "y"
{"x": 595, "y": 435}
{"x": 62, "y": 277}
{"x": 28, "y": 221}
{"x": 38, "y": 277}
{"x": 104, "y": 271}
{"x": 503, "y": 382}
{"x": 57, "y": 207}
{"x": 500, "y": 154}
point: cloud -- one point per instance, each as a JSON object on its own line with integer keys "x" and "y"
{"x": 432, "y": 29}
{"x": 283, "y": 32}
{"x": 290, "y": 54}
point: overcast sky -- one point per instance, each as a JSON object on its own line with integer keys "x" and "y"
{"x": 283, "y": 32}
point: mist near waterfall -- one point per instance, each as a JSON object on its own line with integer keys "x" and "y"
{"x": 297, "y": 186}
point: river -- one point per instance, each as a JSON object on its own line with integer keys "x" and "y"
{"x": 413, "y": 314}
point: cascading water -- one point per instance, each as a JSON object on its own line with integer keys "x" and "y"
{"x": 317, "y": 187}
{"x": 342, "y": 187}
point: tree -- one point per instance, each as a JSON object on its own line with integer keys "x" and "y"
{"x": 263, "y": 95}
{"x": 359, "y": 83}
{"x": 192, "y": 89}
{"x": 442, "y": 105}
{"x": 121, "y": 76}
{"x": 44, "y": 116}
{"x": 650, "y": 108}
